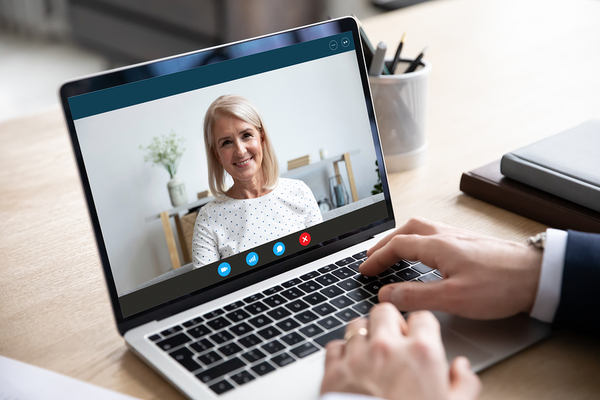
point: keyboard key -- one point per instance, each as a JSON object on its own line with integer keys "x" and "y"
{"x": 400, "y": 265}
{"x": 363, "y": 307}
{"x": 324, "y": 309}
{"x": 237, "y": 315}
{"x": 283, "y": 359}
{"x": 327, "y": 279}
{"x": 430, "y": 278}
{"x": 332, "y": 335}
{"x": 184, "y": 356}
{"x": 344, "y": 261}
{"x": 202, "y": 345}
{"x": 279, "y": 313}
{"x": 373, "y": 287}
{"x": 221, "y": 337}
{"x": 438, "y": 273}
{"x": 275, "y": 300}
{"x": 263, "y": 368}
{"x": 355, "y": 266}
{"x": 408, "y": 274}
{"x": 296, "y": 305}
{"x": 221, "y": 369}
{"x": 314, "y": 298}
{"x": 192, "y": 322}
{"x": 343, "y": 273}
{"x": 310, "y": 275}
{"x": 292, "y": 338}
{"x": 311, "y": 330}
{"x": 213, "y": 314}
{"x": 331, "y": 291}
{"x": 292, "y": 293}
{"x": 422, "y": 268}
{"x": 269, "y": 332}
{"x": 291, "y": 282}
{"x": 253, "y": 298}
{"x": 341, "y": 302}
{"x": 329, "y": 322}
{"x": 241, "y": 329}
{"x": 273, "y": 347}
{"x": 349, "y": 284}
{"x": 221, "y": 387}
{"x": 233, "y": 306}
{"x": 327, "y": 268}
{"x": 365, "y": 279}
{"x": 199, "y": 331}
{"x": 242, "y": 377}
{"x": 306, "y": 317}
{"x": 304, "y": 350}
{"x": 374, "y": 299}
{"x": 218, "y": 323}
{"x": 209, "y": 358}
{"x": 229, "y": 349}
{"x": 154, "y": 338}
{"x": 390, "y": 279}
{"x": 173, "y": 341}
{"x": 260, "y": 321}
{"x": 347, "y": 315}
{"x": 387, "y": 272}
{"x": 358, "y": 295}
{"x": 171, "y": 331}
{"x": 254, "y": 355}
{"x": 250, "y": 341}
{"x": 257, "y": 308}
{"x": 272, "y": 290}
{"x": 288, "y": 324}
{"x": 310, "y": 286}
{"x": 361, "y": 255}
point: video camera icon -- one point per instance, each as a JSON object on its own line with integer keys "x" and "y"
{"x": 224, "y": 269}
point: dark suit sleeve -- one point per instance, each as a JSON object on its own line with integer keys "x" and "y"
{"x": 579, "y": 306}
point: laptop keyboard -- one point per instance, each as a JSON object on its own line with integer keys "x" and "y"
{"x": 247, "y": 339}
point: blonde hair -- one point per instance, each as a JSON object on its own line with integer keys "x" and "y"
{"x": 239, "y": 107}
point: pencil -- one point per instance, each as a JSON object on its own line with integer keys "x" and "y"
{"x": 378, "y": 59}
{"x": 397, "y": 56}
{"x": 413, "y": 65}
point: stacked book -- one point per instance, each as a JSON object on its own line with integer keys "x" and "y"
{"x": 298, "y": 162}
{"x": 555, "y": 181}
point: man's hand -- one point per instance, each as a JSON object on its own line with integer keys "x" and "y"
{"x": 484, "y": 278}
{"x": 388, "y": 357}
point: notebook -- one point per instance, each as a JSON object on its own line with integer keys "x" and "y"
{"x": 243, "y": 307}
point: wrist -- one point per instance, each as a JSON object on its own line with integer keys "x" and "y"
{"x": 532, "y": 267}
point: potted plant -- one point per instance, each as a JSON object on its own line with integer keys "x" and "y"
{"x": 166, "y": 151}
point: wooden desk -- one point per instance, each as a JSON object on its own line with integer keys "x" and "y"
{"x": 505, "y": 73}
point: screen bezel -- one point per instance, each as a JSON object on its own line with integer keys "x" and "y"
{"x": 188, "y": 61}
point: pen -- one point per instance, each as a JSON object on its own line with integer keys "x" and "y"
{"x": 378, "y": 59}
{"x": 413, "y": 65}
{"x": 397, "y": 56}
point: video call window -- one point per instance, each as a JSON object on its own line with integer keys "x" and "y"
{"x": 270, "y": 155}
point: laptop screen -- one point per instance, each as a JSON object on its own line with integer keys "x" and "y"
{"x": 213, "y": 166}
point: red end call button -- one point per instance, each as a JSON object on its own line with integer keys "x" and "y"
{"x": 304, "y": 239}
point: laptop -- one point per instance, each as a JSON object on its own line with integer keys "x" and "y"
{"x": 252, "y": 322}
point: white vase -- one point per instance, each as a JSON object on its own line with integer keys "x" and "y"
{"x": 177, "y": 191}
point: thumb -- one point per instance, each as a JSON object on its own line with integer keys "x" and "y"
{"x": 464, "y": 384}
{"x": 413, "y": 296}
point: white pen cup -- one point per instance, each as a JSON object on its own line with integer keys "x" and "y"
{"x": 400, "y": 107}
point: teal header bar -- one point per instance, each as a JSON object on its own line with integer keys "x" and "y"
{"x": 130, "y": 94}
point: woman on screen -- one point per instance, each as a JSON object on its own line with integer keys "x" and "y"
{"x": 259, "y": 206}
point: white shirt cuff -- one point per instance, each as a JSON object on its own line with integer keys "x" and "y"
{"x": 548, "y": 294}
{"x": 346, "y": 396}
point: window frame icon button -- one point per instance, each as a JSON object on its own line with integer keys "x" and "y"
{"x": 304, "y": 239}
{"x": 224, "y": 269}
{"x": 333, "y": 45}
{"x": 252, "y": 259}
{"x": 275, "y": 251}
{"x": 345, "y": 42}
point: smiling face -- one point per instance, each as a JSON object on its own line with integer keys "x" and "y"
{"x": 239, "y": 147}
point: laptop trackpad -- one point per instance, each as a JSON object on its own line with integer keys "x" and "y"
{"x": 456, "y": 346}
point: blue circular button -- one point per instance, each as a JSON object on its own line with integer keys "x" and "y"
{"x": 224, "y": 269}
{"x": 279, "y": 248}
{"x": 252, "y": 259}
